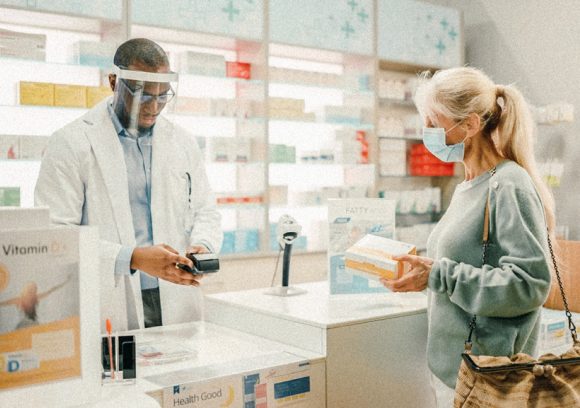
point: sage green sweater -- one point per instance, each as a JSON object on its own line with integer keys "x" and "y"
{"x": 507, "y": 292}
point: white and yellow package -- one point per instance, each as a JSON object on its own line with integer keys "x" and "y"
{"x": 372, "y": 257}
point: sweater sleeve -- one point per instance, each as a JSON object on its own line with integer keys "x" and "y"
{"x": 520, "y": 281}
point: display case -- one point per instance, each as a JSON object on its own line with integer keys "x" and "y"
{"x": 51, "y": 57}
{"x": 285, "y": 99}
{"x": 321, "y": 114}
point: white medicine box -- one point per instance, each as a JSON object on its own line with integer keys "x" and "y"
{"x": 372, "y": 257}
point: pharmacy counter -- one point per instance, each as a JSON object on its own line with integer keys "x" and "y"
{"x": 374, "y": 344}
{"x": 202, "y": 365}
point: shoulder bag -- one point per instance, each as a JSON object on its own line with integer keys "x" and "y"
{"x": 519, "y": 381}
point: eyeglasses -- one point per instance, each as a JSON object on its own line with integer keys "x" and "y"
{"x": 145, "y": 98}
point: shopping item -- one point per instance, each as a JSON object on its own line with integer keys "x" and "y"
{"x": 519, "y": 381}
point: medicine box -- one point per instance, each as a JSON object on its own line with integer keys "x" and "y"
{"x": 94, "y": 53}
{"x": 22, "y": 45}
{"x": 199, "y": 63}
{"x": 372, "y": 257}
{"x": 236, "y": 69}
{"x": 36, "y": 93}
{"x": 9, "y": 147}
{"x": 70, "y": 96}
{"x": 96, "y": 94}
{"x": 32, "y": 147}
{"x": 9, "y": 196}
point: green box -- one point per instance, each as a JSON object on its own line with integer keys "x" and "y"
{"x": 9, "y": 196}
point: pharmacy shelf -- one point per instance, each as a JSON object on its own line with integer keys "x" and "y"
{"x": 58, "y": 20}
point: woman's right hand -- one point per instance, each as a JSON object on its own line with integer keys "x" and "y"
{"x": 416, "y": 279}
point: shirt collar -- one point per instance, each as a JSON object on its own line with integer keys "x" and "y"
{"x": 121, "y": 131}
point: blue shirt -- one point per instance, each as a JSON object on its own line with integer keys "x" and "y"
{"x": 137, "y": 152}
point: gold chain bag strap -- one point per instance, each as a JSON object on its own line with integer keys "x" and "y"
{"x": 519, "y": 381}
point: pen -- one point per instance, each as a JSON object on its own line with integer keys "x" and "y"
{"x": 109, "y": 340}
{"x": 188, "y": 187}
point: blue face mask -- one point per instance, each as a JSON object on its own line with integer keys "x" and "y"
{"x": 434, "y": 141}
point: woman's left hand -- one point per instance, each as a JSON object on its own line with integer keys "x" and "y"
{"x": 415, "y": 279}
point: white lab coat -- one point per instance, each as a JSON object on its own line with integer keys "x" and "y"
{"x": 83, "y": 179}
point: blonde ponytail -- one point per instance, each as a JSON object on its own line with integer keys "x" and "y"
{"x": 515, "y": 142}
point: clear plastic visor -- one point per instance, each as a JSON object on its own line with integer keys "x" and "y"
{"x": 140, "y": 97}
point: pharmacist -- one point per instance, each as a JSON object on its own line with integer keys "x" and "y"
{"x": 142, "y": 180}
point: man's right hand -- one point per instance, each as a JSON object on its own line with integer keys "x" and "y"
{"x": 160, "y": 261}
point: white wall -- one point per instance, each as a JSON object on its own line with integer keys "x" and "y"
{"x": 536, "y": 45}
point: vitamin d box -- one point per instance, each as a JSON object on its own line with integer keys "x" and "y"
{"x": 371, "y": 257}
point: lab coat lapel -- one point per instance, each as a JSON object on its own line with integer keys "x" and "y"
{"x": 109, "y": 154}
{"x": 111, "y": 160}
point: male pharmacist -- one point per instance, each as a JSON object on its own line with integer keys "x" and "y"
{"x": 142, "y": 180}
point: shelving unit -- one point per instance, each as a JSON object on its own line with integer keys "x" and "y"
{"x": 281, "y": 142}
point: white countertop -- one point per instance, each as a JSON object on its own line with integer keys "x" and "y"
{"x": 318, "y": 308}
{"x": 215, "y": 352}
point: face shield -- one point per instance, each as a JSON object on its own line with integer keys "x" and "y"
{"x": 140, "y": 97}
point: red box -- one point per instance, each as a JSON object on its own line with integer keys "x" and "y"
{"x": 238, "y": 69}
{"x": 442, "y": 169}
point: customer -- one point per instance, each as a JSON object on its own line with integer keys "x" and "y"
{"x": 489, "y": 128}
{"x": 142, "y": 181}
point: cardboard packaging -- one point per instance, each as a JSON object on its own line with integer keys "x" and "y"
{"x": 36, "y": 93}
{"x": 9, "y": 196}
{"x": 94, "y": 53}
{"x": 9, "y": 147}
{"x": 199, "y": 63}
{"x": 32, "y": 147}
{"x": 372, "y": 256}
{"x": 70, "y": 96}
{"x": 96, "y": 94}
{"x": 22, "y": 45}
{"x": 236, "y": 69}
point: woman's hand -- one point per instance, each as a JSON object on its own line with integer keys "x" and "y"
{"x": 416, "y": 279}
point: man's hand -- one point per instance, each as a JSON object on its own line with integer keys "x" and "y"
{"x": 197, "y": 249}
{"x": 160, "y": 261}
{"x": 416, "y": 279}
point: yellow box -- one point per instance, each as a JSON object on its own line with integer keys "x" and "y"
{"x": 36, "y": 93}
{"x": 96, "y": 94}
{"x": 71, "y": 96}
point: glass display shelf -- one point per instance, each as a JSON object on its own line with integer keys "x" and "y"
{"x": 410, "y": 139}
{"x": 362, "y": 126}
{"x": 406, "y": 103}
{"x": 310, "y": 86}
{"x": 60, "y": 19}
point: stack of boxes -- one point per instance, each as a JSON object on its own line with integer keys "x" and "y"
{"x": 215, "y": 65}
{"x": 299, "y": 77}
{"x": 423, "y": 163}
{"x": 281, "y": 153}
{"x": 22, "y": 147}
{"x": 288, "y": 108}
{"x": 22, "y": 45}
{"x": 392, "y": 157}
{"x": 64, "y": 95}
{"x": 94, "y": 53}
{"x": 241, "y": 241}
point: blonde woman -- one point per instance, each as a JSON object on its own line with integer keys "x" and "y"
{"x": 489, "y": 129}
